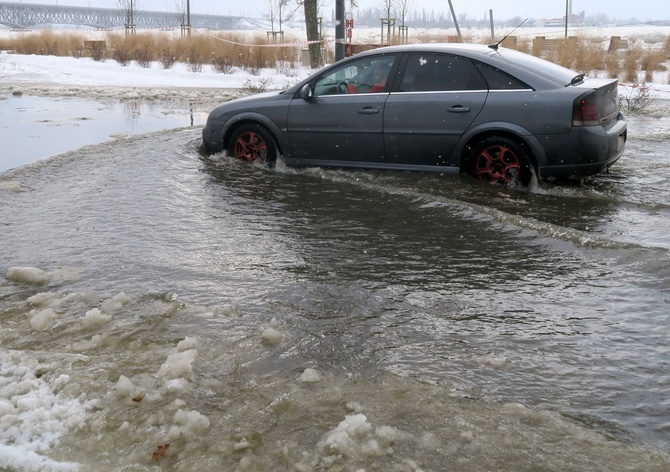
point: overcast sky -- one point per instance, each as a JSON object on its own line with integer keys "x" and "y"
{"x": 643, "y": 10}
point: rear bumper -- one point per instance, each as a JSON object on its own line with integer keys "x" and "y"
{"x": 584, "y": 151}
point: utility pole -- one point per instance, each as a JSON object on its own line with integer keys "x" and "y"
{"x": 453, "y": 15}
{"x": 339, "y": 30}
{"x": 188, "y": 17}
{"x": 493, "y": 36}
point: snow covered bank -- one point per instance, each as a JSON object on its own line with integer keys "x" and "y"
{"x": 84, "y": 77}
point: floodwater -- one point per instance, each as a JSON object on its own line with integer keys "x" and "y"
{"x": 36, "y": 127}
{"x": 259, "y": 319}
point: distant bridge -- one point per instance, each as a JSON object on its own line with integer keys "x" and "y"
{"x": 27, "y": 16}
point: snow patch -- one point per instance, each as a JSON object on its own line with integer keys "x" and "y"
{"x": 35, "y": 414}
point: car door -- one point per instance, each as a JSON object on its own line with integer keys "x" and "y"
{"x": 341, "y": 123}
{"x": 438, "y": 97}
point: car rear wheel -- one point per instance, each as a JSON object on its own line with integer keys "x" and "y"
{"x": 500, "y": 160}
{"x": 252, "y": 143}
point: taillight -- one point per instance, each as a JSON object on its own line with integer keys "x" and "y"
{"x": 585, "y": 111}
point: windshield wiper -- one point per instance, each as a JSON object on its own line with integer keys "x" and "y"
{"x": 577, "y": 79}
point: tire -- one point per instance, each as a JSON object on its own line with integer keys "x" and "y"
{"x": 252, "y": 143}
{"x": 500, "y": 160}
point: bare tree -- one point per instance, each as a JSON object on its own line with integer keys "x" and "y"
{"x": 128, "y": 9}
{"x": 181, "y": 9}
{"x": 285, "y": 12}
{"x": 311, "y": 11}
{"x": 312, "y": 28}
{"x": 404, "y": 7}
{"x": 271, "y": 12}
{"x": 387, "y": 6}
{"x": 279, "y": 11}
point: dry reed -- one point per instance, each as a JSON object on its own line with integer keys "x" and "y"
{"x": 631, "y": 64}
{"x": 227, "y": 51}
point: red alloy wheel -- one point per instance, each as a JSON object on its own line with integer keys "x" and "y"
{"x": 498, "y": 164}
{"x": 250, "y": 146}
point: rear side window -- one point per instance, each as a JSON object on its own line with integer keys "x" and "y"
{"x": 440, "y": 72}
{"x": 499, "y": 80}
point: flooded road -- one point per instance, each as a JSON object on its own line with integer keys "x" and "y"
{"x": 37, "y": 127}
{"x": 261, "y": 319}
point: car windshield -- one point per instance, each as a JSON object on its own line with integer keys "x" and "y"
{"x": 539, "y": 66}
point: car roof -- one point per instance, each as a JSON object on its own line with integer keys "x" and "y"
{"x": 518, "y": 63}
{"x": 460, "y": 48}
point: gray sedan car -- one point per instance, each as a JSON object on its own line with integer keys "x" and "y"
{"x": 494, "y": 113}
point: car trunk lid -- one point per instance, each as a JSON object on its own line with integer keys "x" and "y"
{"x": 598, "y": 105}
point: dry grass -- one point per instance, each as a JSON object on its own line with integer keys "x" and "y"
{"x": 224, "y": 51}
{"x": 631, "y": 64}
{"x": 227, "y": 51}
{"x": 46, "y": 43}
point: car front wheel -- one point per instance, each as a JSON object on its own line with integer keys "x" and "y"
{"x": 252, "y": 143}
{"x": 500, "y": 160}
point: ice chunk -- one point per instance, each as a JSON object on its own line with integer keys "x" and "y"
{"x": 87, "y": 345}
{"x": 178, "y": 364}
{"x": 311, "y": 375}
{"x": 271, "y": 336}
{"x": 387, "y": 435}
{"x": 28, "y": 275}
{"x": 61, "y": 381}
{"x": 41, "y": 299}
{"x": 226, "y": 310}
{"x": 344, "y": 439}
{"x": 95, "y": 317}
{"x": 125, "y": 388}
{"x": 189, "y": 342}
{"x": 43, "y": 319}
{"x": 6, "y": 408}
{"x": 116, "y": 303}
{"x": 11, "y": 186}
{"x": 495, "y": 362}
{"x": 177, "y": 385}
{"x": 191, "y": 422}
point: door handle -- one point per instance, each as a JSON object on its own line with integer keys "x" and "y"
{"x": 368, "y": 111}
{"x": 458, "y": 109}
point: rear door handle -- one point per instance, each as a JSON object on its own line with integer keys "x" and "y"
{"x": 458, "y": 109}
{"x": 368, "y": 111}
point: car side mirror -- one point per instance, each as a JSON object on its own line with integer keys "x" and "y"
{"x": 306, "y": 92}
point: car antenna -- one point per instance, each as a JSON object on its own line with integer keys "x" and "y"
{"x": 495, "y": 46}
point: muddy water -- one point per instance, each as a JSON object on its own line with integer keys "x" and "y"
{"x": 264, "y": 320}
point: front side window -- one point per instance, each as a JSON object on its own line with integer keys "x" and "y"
{"x": 440, "y": 73}
{"x": 369, "y": 75}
